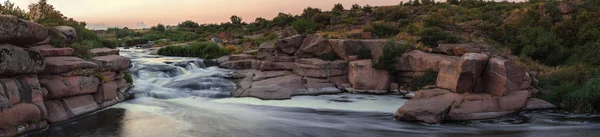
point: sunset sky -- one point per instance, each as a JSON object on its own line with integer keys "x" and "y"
{"x": 131, "y": 13}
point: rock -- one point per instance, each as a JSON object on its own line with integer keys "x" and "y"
{"x": 104, "y": 51}
{"x": 121, "y": 83}
{"x": 280, "y": 58}
{"x": 536, "y": 104}
{"x": 283, "y": 87}
{"x": 21, "y": 32}
{"x": 265, "y": 50}
{"x": 59, "y": 86}
{"x": 314, "y": 46}
{"x": 19, "y": 115}
{"x": 262, "y": 75}
{"x": 245, "y": 83}
{"x": 502, "y": 76}
{"x": 318, "y": 87}
{"x": 410, "y": 95}
{"x": 289, "y": 45}
{"x": 216, "y": 40}
{"x": 108, "y": 76}
{"x": 345, "y": 48}
{"x": 485, "y": 106}
{"x": 364, "y": 77}
{"x": 20, "y": 89}
{"x": 422, "y": 94}
{"x": 66, "y": 108}
{"x": 368, "y": 35}
{"x": 463, "y": 76}
{"x": 420, "y": 61}
{"x": 241, "y": 64}
{"x": 394, "y": 87}
{"x": 252, "y": 52}
{"x": 459, "y": 49}
{"x": 106, "y": 92}
{"x": 109, "y": 103}
{"x": 352, "y": 58}
{"x": 55, "y": 52}
{"x": 224, "y": 35}
{"x": 339, "y": 80}
{"x": 69, "y": 66}
{"x": 112, "y": 62}
{"x": 66, "y": 32}
{"x": 376, "y": 46}
{"x": 286, "y": 33}
{"x": 317, "y": 68}
{"x": 268, "y": 65}
{"x": 428, "y": 110}
{"x": 18, "y": 61}
{"x": 240, "y": 57}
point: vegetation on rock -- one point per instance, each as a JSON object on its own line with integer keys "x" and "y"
{"x": 203, "y": 50}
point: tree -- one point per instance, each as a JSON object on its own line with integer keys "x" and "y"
{"x": 416, "y": 3}
{"x": 338, "y": 8}
{"x": 355, "y": 7}
{"x": 433, "y": 35}
{"x": 236, "y": 19}
{"x": 322, "y": 18}
{"x": 10, "y": 9}
{"x": 310, "y": 12}
{"x": 188, "y": 24}
{"x": 367, "y": 9}
{"x": 455, "y": 2}
{"x": 159, "y": 27}
{"x": 283, "y": 19}
{"x": 304, "y": 26}
{"x": 43, "y": 10}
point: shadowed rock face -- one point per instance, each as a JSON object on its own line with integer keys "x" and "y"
{"x": 289, "y": 45}
{"x": 16, "y": 61}
{"x": 364, "y": 77}
{"x": 21, "y": 32}
{"x": 463, "y": 76}
{"x": 503, "y": 76}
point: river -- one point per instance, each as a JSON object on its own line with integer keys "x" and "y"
{"x": 177, "y": 96}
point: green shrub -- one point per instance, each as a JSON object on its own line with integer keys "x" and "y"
{"x": 574, "y": 89}
{"x": 203, "y": 50}
{"x": 329, "y": 56}
{"x": 387, "y": 61}
{"x": 382, "y": 29}
{"x": 363, "y": 53}
{"x": 304, "y": 26}
{"x": 429, "y": 78}
{"x": 128, "y": 77}
{"x": 432, "y": 36}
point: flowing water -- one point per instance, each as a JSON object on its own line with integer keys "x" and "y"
{"x": 177, "y": 96}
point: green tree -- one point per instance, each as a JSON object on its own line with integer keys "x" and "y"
{"x": 355, "y": 7}
{"x": 304, "y": 26}
{"x": 188, "y": 24}
{"x": 455, "y": 2}
{"x": 10, "y": 9}
{"x": 159, "y": 27}
{"x": 283, "y": 19}
{"x": 338, "y": 7}
{"x": 431, "y": 36}
{"x": 236, "y": 19}
{"x": 367, "y": 9}
{"x": 310, "y": 12}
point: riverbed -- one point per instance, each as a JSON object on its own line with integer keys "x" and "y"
{"x": 177, "y": 96}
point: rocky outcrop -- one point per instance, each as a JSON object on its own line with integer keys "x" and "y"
{"x": 41, "y": 84}
{"x": 66, "y": 32}
{"x": 20, "y": 32}
{"x": 240, "y": 57}
{"x": 459, "y": 49}
{"x": 419, "y": 61}
{"x": 241, "y": 64}
{"x": 289, "y": 45}
{"x": 265, "y": 50}
{"x": 463, "y": 76}
{"x": 317, "y": 68}
{"x": 18, "y": 61}
{"x": 364, "y": 78}
{"x": 503, "y": 76}
{"x": 314, "y": 46}
{"x": 275, "y": 85}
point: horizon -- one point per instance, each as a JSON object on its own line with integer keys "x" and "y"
{"x": 111, "y": 12}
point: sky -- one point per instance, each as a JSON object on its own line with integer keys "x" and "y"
{"x": 99, "y": 14}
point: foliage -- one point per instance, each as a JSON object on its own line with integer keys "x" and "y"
{"x": 283, "y": 19}
{"x": 428, "y": 78}
{"x": 188, "y": 24}
{"x": 391, "y": 50}
{"x": 575, "y": 89}
{"x": 10, "y": 9}
{"x": 434, "y": 35}
{"x": 236, "y": 19}
{"x": 128, "y": 77}
{"x": 203, "y": 50}
{"x": 363, "y": 53}
{"x": 304, "y": 26}
{"x": 382, "y": 29}
{"x": 329, "y": 57}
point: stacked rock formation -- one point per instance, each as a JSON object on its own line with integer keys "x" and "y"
{"x": 41, "y": 84}
{"x": 474, "y": 86}
{"x": 294, "y": 66}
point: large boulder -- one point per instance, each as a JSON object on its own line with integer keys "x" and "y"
{"x": 289, "y": 45}
{"x": 262, "y": 75}
{"x": 485, "y": 106}
{"x": 112, "y": 62}
{"x": 283, "y": 87}
{"x": 463, "y": 77}
{"x": 241, "y": 64}
{"x": 106, "y": 92}
{"x": 21, "y": 118}
{"x": 502, "y": 76}
{"x": 104, "y": 51}
{"x": 20, "y": 89}
{"x": 345, "y": 48}
{"x": 69, "y": 66}
{"x": 420, "y": 61}
{"x": 69, "y": 34}
{"x": 364, "y": 77}
{"x": 428, "y": 110}
{"x": 21, "y": 32}
{"x": 535, "y": 104}
{"x": 317, "y": 68}
{"x": 17, "y": 61}
{"x": 318, "y": 87}
{"x": 66, "y": 108}
{"x": 280, "y": 58}
{"x": 59, "y": 86}
{"x": 265, "y": 50}
{"x": 50, "y": 51}
{"x": 314, "y": 46}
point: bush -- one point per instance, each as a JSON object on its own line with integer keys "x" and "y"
{"x": 329, "y": 57}
{"x": 304, "y": 26}
{"x": 574, "y": 89}
{"x": 429, "y": 78}
{"x": 363, "y": 53}
{"x": 391, "y": 50}
{"x": 201, "y": 50}
{"x": 432, "y": 36}
{"x": 128, "y": 77}
{"x": 382, "y": 29}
